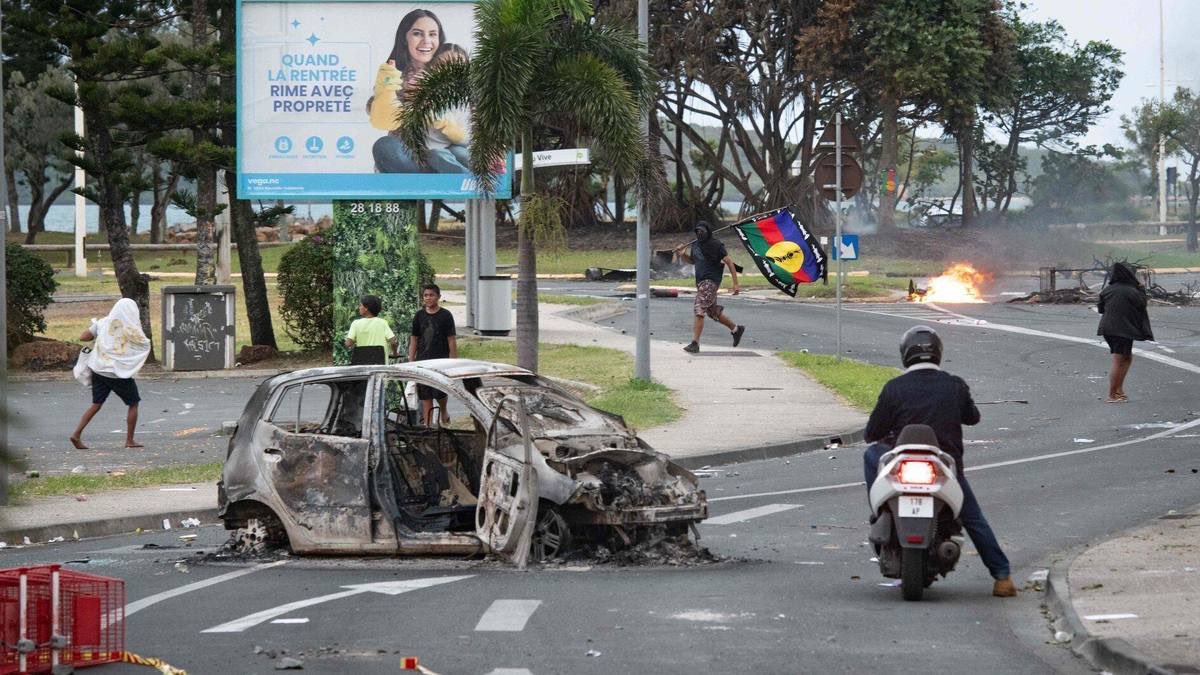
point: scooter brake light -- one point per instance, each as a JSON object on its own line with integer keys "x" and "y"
{"x": 917, "y": 472}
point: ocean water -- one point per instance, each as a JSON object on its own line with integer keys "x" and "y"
{"x": 61, "y": 217}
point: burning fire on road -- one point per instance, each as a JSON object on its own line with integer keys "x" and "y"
{"x": 961, "y": 283}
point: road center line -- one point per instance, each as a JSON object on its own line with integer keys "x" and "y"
{"x": 743, "y": 516}
{"x": 1024, "y": 460}
{"x": 507, "y": 615}
{"x": 138, "y": 605}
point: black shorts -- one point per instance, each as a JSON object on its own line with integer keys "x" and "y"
{"x": 429, "y": 393}
{"x": 126, "y": 389}
{"x": 1119, "y": 345}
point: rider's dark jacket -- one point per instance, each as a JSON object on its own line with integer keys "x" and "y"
{"x": 924, "y": 394}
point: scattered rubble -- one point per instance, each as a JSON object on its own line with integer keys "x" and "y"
{"x": 255, "y": 353}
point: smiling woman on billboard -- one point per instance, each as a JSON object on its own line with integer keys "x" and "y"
{"x": 419, "y": 42}
{"x": 321, "y": 86}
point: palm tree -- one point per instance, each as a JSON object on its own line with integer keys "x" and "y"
{"x": 543, "y": 72}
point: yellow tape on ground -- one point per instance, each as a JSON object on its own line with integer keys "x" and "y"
{"x": 162, "y": 666}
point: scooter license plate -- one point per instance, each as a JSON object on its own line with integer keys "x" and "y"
{"x": 916, "y": 507}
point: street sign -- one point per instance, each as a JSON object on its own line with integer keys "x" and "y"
{"x": 828, "y": 140}
{"x": 846, "y": 248}
{"x": 825, "y": 176}
{"x": 569, "y": 157}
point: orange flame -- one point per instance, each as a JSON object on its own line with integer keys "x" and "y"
{"x": 960, "y": 284}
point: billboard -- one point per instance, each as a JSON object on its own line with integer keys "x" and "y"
{"x": 319, "y": 88}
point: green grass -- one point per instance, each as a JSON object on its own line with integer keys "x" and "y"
{"x": 642, "y": 404}
{"x": 856, "y": 381}
{"x": 563, "y": 299}
{"x": 75, "y": 484}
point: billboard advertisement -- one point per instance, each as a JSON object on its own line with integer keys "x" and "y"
{"x": 320, "y": 85}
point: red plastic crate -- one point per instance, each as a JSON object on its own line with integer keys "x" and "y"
{"x": 71, "y": 618}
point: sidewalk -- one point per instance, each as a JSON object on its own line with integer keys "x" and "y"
{"x": 739, "y": 403}
{"x": 106, "y": 513}
{"x": 1132, "y": 603}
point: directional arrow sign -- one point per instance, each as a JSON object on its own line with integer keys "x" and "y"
{"x": 385, "y": 587}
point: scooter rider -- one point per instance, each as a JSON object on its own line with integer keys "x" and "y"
{"x": 925, "y": 394}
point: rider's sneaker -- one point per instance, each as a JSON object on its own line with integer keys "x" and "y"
{"x": 692, "y": 347}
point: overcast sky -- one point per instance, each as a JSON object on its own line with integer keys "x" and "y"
{"x": 1132, "y": 27}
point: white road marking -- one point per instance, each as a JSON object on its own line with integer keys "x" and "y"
{"x": 138, "y": 605}
{"x": 743, "y": 516}
{"x": 510, "y": 671}
{"x": 1012, "y": 462}
{"x": 385, "y": 587}
{"x": 1109, "y": 617}
{"x": 507, "y": 615}
{"x": 297, "y": 620}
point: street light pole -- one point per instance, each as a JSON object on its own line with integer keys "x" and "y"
{"x": 1162, "y": 100}
{"x": 642, "y": 351}
{"x": 837, "y": 238}
{"x": 3, "y": 294}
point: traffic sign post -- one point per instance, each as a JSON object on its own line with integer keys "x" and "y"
{"x": 838, "y": 176}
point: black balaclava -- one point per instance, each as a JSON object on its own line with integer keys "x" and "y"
{"x": 1122, "y": 273}
{"x": 709, "y": 246}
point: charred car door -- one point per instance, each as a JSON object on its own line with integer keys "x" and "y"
{"x": 508, "y": 491}
{"x": 318, "y": 461}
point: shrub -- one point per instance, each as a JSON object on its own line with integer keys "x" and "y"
{"x": 306, "y": 284}
{"x": 31, "y": 287}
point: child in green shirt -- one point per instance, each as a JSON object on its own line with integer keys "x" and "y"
{"x": 370, "y": 330}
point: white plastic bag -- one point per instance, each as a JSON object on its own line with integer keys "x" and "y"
{"x": 81, "y": 371}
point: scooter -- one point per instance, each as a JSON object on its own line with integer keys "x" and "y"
{"x": 915, "y": 502}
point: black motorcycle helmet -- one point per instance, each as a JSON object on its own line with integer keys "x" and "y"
{"x": 920, "y": 344}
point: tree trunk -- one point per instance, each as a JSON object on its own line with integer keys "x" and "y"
{"x": 889, "y": 151}
{"x": 162, "y": 193}
{"x": 14, "y": 210}
{"x": 254, "y": 284}
{"x": 135, "y": 212}
{"x": 527, "y": 311}
{"x": 422, "y": 221}
{"x": 206, "y": 175}
{"x": 680, "y": 155}
{"x": 39, "y": 208}
{"x": 1193, "y": 197}
{"x": 619, "y": 192}
{"x": 966, "y": 149}
{"x": 241, "y": 216}
{"x": 435, "y": 215}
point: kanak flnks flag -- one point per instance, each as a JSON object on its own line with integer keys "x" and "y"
{"x": 784, "y": 250}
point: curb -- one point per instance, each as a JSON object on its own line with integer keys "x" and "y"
{"x": 89, "y": 529}
{"x": 1112, "y": 655}
{"x": 772, "y": 451}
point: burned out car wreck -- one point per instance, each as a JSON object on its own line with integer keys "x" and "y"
{"x": 335, "y": 461}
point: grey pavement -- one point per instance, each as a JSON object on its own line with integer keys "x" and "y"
{"x": 732, "y": 399}
{"x": 1143, "y": 587}
{"x": 797, "y": 591}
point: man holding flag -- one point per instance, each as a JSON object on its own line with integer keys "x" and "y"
{"x": 710, "y": 259}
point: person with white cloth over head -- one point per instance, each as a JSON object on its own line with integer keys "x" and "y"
{"x": 120, "y": 350}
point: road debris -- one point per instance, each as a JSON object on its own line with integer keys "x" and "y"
{"x": 289, "y": 663}
{"x": 1084, "y": 440}
{"x": 190, "y": 522}
{"x": 78, "y": 469}
{"x": 593, "y": 652}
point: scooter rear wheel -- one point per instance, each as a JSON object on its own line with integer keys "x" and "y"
{"x": 912, "y": 572}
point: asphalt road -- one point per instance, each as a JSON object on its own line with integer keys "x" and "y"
{"x": 797, "y": 591}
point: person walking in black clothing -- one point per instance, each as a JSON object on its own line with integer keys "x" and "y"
{"x": 1123, "y": 319}
{"x": 710, "y": 259}
{"x": 433, "y": 337}
{"x": 925, "y": 394}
